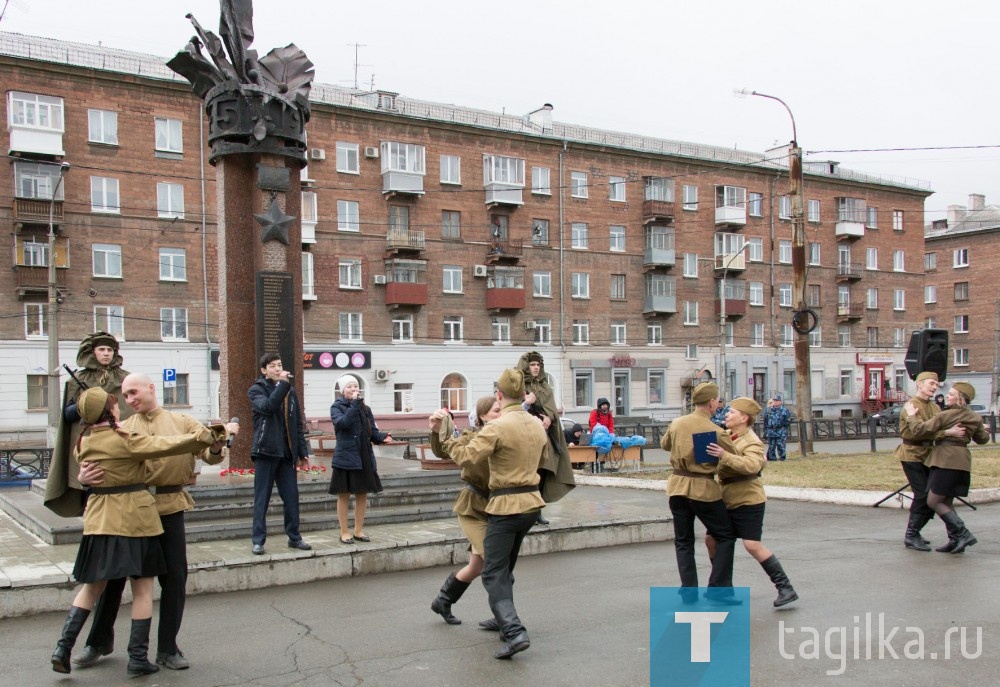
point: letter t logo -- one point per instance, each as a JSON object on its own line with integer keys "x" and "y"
{"x": 701, "y": 632}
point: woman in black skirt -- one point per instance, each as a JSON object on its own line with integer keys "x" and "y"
{"x": 951, "y": 460}
{"x": 120, "y": 523}
{"x": 354, "y": 468}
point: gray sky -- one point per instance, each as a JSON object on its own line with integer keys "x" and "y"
{"x": 856, "y": 74}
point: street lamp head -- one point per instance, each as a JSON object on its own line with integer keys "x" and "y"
{"x": 64, "y": 167}
{"x": 742, "y": 92}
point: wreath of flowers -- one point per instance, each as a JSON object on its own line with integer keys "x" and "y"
{"x": 249, "y": 472}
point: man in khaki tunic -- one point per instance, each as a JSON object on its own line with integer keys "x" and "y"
{"x": 167, "y": 477}
{"x": 694, "y": 493}
{"x": 514, "y": 447}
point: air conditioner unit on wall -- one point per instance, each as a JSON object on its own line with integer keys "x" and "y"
{"x": 379, "y": 278}
{"x": 529, "y": 324}
{"x": 479, "y": 270}
{"x": 371, "y": 151}
{"x": 317, "y": 154}
{"x": 382, "y": 375}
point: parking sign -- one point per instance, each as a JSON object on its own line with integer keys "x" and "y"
{"x": 169, "y": 377}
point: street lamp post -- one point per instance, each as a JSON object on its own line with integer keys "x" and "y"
{"x": 54, "y": 395}
{"x": 803, "y": 381}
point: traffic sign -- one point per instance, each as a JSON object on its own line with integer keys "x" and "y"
{"x": 169, "y": 378}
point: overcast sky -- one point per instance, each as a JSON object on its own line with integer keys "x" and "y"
{"x": 856, "y": 74}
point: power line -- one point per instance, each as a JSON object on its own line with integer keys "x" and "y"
{"x": 898, "y": 150}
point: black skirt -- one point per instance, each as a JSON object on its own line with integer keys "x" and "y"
{"x": 111, "y": 557}
{"x": 948, "y": 482}
{"x": 748, "y": 521}
{"x": 363, "y": 481}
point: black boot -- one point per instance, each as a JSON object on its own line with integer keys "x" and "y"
{"x": 912, "y": 538}
{"x": 138, "y": 649}
{"x": 71, "y": 630}
{"x": 490, "y": 625}
{"x": 92, "y": 654}
{"x": 514, "y": 635}
{"x": 540, "y": 520}
{"x": 786, "y": 594}
{"x": 450, "y": 593}
{"x": 956, "y": 528}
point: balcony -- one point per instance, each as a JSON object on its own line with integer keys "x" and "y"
{"x": 659, "y": 305}
{"x": 659, "y": 257}
{"x": 657, "y": 211}
{"x": 735, "y": 307}
{"x": 34, "y": 281}
{"x": 398, "y": 293}
{"x": 731, "y": 217}
{"x": 35, "y": 211}
{"x": 308, "y": 231}
{"x": 504, "y": 250}
{"x": 849, "y": 271}
{"x": 498, "y": 193}
{"x": 847, "y": 312}
{"x": 403, "y": 240}
{"x": 849, "y": 230}
{"x": 505, "y": 289}
{"x": 395, "y": 183}
{"x": 730, "y": 262}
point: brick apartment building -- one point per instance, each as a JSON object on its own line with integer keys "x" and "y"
{"x": 442, "y": 242}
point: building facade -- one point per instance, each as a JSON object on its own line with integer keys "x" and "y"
{"x": 440, "y": 243}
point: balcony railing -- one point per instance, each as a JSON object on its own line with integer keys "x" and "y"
{"x": 504, "y": 248}
{"x": 657, "y": 210}
{"x": 849, "y": 271}
{"x": 849, "y": 230}
{"x": 735, "y": 217}
{"x": 34, "y": 211}
{"x": 735, "y": 307}
{"x": 405, "y": 293}
{"x": 850, "y": 311}
{"x": 505, "y": 298}
{"x": 659, "y": 305}
{"x": 404, "y": 239}
{"x": 659, "y": 257}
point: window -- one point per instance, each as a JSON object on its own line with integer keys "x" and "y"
{"x": 872, "y": 222}
{"x": 814, "y": 297}
{"x": 617, "y": 238}
{"x": 960, "y": 257}
{"x": 310, "y": 207}
{"x": 579, "y": 235}
{"x": 814, "y": 253}
{"x": 690, "y": 312}
{"x": 168, "y": 135}
{"x": 350, "y": 274}
{"x": 308, "y": 276}
{"x": 813, "y": 211}
{"x": 402, "y": 398}
{"x": 731, "y": 197}
{"x": 787, "y": 336}
{"x": 727, "y": 334}
{"x": 785, "y": 252}
{"x": 103, "y": 127}
{"x": 543, "y": 332}
{"x": 657, "y": 384}
{"x": 402, "y": 329}
{"x": 871, "y": 258}
{"x": 35, "y": 111}
{"x": 451, "y": 279}
{"x": 38, "y": 392}
{"x": 581, "y": 332}
{"x": 503, "y": 170}
{"x": 541, "y": 284}
{"x": 580, "y": 285}
{"x": 757, "y": 334}
{"x": 583, "y": 388}
{"x": 540, "y": 183}
{"x": 784, "y": 207}
{"x": 899, "y": 299}
{"x": 348, "y": 217}
{"x": 454, "y": 393}
{"x": 659, "y": 188}
{"x": 104, "y": 195}
{"x": 690, "y": 264}
{"x": 501, "y": 330}
{"x": 35, "y": 254}
{"x": 961, "y": 358}
{"x": 843, "y": 295}
{"x": 347, "y": 158}
{"x": 755, "y": 206}
{"x": 897, "y": 220}
{"x": 654, "y": 334}
{"x": 816, "y": 338}
{"x": 690, "y": 195}
{"x": 930, "y": 323}
{"x": 962, "y": 291}
{"x": 898, "y": 261}
{"x": 110, "y": 318}
{"x": 173, "y": 264}
{"x": 851, "y": 210}
{"x": 756, "y": 296}
{"x": 930, "y": 293}
{"x": 173, "y": 324}
{"x": 399, "y": 220}
{"x": 616, "y": 189}
{"x": 691, "y": 352}
{"x": 107, "y": 260}
{"x": 170, "y": 200}
{"x": 451, "y": 169}
{"x": 930, "y": 262}
{"x": 578, "y": 184}
{"x": 961, "y": 324}
{"x": 36, "y": 321}
{"x": 755, "y": 253}
{"x": 619, "y": 335}
{"x": 846, "y": 382}
{"x": 539, "y": 232}
{"x": 499, "y": 228}
{"x": 844, "y": 335}
{"x": 453, "y": 329}
{"x": 451, "y": 224}
{"x": 899, "y": 337}
{"x": 617, "y": 287}
{"x": 785, "y": 295}
{"x": 871, "y": 299}
{"x": 350, "y": 326}
{"x": 37, "y": 180}
{"x": 408, "y": 158}
{"x": 872, "y": 337}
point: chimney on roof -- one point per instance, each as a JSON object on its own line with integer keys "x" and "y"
{"x": 956, "y": 213}
{"x": 542, "y": 117}
{"x": 977, "y": 201}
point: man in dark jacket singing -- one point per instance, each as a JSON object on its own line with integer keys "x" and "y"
{"x": 279, "y": 444}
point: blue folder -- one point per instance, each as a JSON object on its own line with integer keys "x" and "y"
{"x": 701, "y": 442}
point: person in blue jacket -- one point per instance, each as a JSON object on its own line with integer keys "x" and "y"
{"x": 776, "y": 422}
{"x": 354, "y": 468}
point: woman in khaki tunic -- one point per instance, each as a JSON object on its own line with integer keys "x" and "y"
{"x": 120, "y": 522}
{"x": 470, "y": 506}
{"x": 950, "y": 460}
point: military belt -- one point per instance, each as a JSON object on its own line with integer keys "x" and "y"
{"x": 477, "y": 491}
{"x": 506, "y": 491}
{"x": 919, "y": 444}
{"x": 122, "y": 489}
{"x": 738, "y": 478}
{"x": 699, "y": 475}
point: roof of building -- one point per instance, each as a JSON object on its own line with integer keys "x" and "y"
{"x": 153, "y": 67}
{"x": 962, "y": 221}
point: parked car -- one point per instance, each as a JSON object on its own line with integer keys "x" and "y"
{"x": 889, "y": 417}
{"x": 981, "y": 409}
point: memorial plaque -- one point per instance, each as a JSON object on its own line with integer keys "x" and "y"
{"x": 276, "y": 317}
{"x": 273, "y": 178}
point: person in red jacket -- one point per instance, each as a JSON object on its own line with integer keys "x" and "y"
{"x": 602, "y": 416}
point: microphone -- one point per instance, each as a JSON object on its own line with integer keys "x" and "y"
{"x": 290, "y": 377}
{"x": 229, "y": 441}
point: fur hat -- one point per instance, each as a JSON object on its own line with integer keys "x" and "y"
{"x": 104, "y": 339}
{"x": 535, "y": 357}
{"x": 747, "y": 406}
{"x": 927, "y": 375}
{"x": 347, "y": 379}
{"x": 705, "y": 392}
{"x": 965, "y": 389}
{"x": 91, "y": 404}
{"x": 511, "y": 383}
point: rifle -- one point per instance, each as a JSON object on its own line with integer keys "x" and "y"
{"x": 82, "y": 385}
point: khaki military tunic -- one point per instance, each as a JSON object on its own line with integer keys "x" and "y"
{"x": 514, "y": 447}
{"x": 951, "y": 452}
{"x": 926, "y": 409}
{"x": 477, "y": 474}
{"x": 679, "y": 441}
{"x": 749, "y": 459}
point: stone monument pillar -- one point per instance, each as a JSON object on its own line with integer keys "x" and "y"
{"x": 257, "y": 111}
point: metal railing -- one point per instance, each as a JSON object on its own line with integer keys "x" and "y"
{"x": 20, "y": 465}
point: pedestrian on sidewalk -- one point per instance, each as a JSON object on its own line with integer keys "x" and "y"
{"x": 601, "y": 415}
{"x": 776, "y": 422}
{"x": 470, "y": 506}
{"x": 743, "y": 492}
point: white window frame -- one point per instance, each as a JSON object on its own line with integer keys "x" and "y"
{"x": 580, "y": 282}
{"x": 454, "y": 326}
{"x": 111, "y": 319}
{"x": 169, "y": 135}
{"x": 897, "y": 220}
{"x": 583, "y": 388}
{"x": 689, "y": 195}
{"x": 348, "y": 158}
{"x": 541, "y": 184}
{"x": 757, "y": 335}
{"x": 351, "y": 327}
{"x": 541, "y": 284}
{"x": 816, "y": 338}
{"x": 690, "y": 313}
{"x": 784, "y": 207}
{"x": 755, "y": 204}
{"x": 451, "y": 170}
{"x": 30, "y": 110}
{"x": 960, "y": 357}
{"x": 619, "y": 333}
{"x": 961, "y": 324}
{"x": 581, "y": 332}
{"x": 815, "y": 249}
{"x": 173, "y": 324}
{"x": 960, "y": 257}
{"x": 451, "y": 279}
{"x": 169, "y": 200}
{"x": 654, "y": 334}
{"x": 36, "y": 321}
{"x": 930, "y": 293}
{"x": 543, "y": 332}
{"x": 871, "y": 298}
{"x": 308, "y": 276}
{"x": 402, "y": 329}
{"x": 690, "y": 265}
{"x": 784, "y": 252}
{"x": 349, "y": 276}
{"x": 112, "y": 258}
{"x": 656, "y": 381}
{"x": 813, "y": 214}
{"x": 102, "y": 127}
{"x": 898, "y": 261}
{"x": 579, "y": 235}
{"x": 173, "y": 264}
{"x": 407, "y": 158}
{"x": 755, "y": 253}
{"x": 755, "y": 295}
{"x": 104, "y": 195}
{"x": 578, "y": 185}
{"x": 844, "y": 335}
{"x": 784, "y": 295}
{"x": 871, "y": 258}
{"x": 871, "y": 218}
{"x": 617, "y": 233}
{"x": 500, "y": 328}
{"x": 899, "y": 299}
{"x": 616, "y": 189}
{"x": 348, "y": 216}
{"x": 787, "y": 336}
{"x": 846, "y": 381}
{"x": 691, "y": 352}
{"x": 617, "y": 287}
